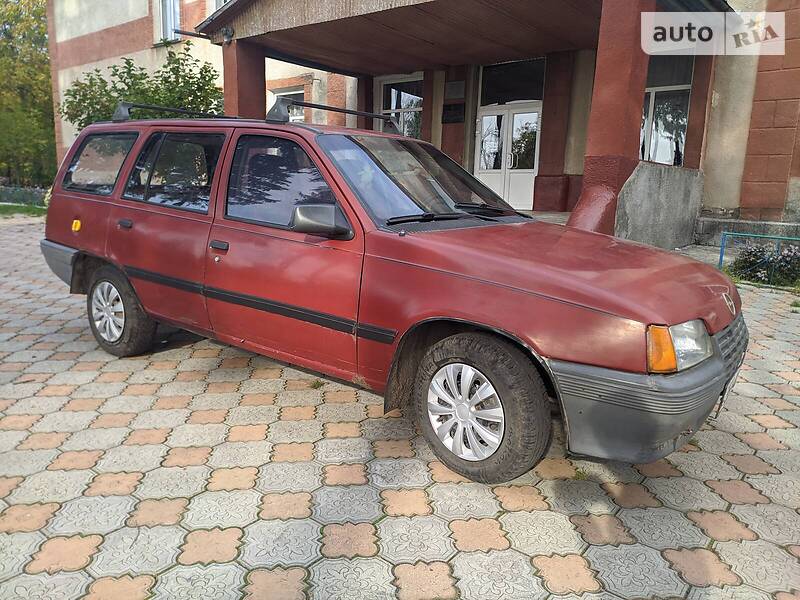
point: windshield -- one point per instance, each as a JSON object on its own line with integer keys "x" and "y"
{"x": 396, "y": 178}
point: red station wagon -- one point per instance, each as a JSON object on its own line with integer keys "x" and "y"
{"x": 378, "y": 260}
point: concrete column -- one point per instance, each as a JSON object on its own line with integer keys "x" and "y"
{"x": 432, "y": 101}
{"x": 245, "y": 82}
{"x": 728, "y": 124}
{"x": 579, "y": 106}
{"x": 698, "y": 107}
{"x": 612, "y": 144}
{"x": 551, "y": 185}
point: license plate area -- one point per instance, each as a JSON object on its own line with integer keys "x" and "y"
{"x": 727, "y": 390}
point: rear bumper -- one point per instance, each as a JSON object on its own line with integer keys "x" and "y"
{"x": 60, "y": 259}
{"x": 634, "y": 417}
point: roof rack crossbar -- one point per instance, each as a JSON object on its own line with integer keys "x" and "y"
{"x": 123, "y": 111}
{"x": 280, "y": 112}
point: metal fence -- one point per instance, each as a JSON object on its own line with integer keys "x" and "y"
{"x": 761, "y": 258}
{"x": 20, "y": 195}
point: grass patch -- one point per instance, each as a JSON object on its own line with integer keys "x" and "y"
{"x": 316, "y": 384}
{"x": 12, "y": 210}
{"x": 580, "y": 475}
{"x": 796, "y": 304}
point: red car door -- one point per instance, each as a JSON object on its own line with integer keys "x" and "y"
{"x": 288, "y": 294}
{"x": 159, "y": 228}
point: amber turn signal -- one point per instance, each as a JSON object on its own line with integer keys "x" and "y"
{"x": 76, "y": 225}
{"x": 660, "y": 350}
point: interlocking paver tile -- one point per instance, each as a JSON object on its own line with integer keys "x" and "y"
{"x": 289, "y": 477}
{"x": 64, "y": 554}
{"x": 75, "y": 460}
{"x": 602, "y": 529}
{"x": 662, "y": 528}
{"x": 173, "y": 482}
{"x": 222, "y": 582}
{"x": 63, "y": 586}
{"x": 541, "y": 532}
{"x": 353, "y": 503}
{"x": 281, "y": 543}
{"x": 240, "y": 454}
{"x": 224, "y": 509}
{"x": 276, "y": 584}
{"x": 739, "y": 592}
{"x": 25, "y": 462}
{"x": 113, "y": 484}
{"x": 405, "y": 503}
{"x": 16, "y": 550}
{"x": 368, "y": 578}
{"x": 761, "y": 564}
{"x": 131, "y": 458}
{"x": 683, "y": 493}
{"x": 405, "y": 539}
{"x": 772, "y": 522}
{"x": 576, "y": 497}
{"x": 566, "y": 574}
{"x": 26, "y": 517}
{"x": 701, "y": 567}
{"x": 286, "y": 506}
{"x": 165, "y": 511}
{"x": 116, "y": 588}
{"x": 441, "y": 474}
{"x": 137, "y": 550}
{"x": 50, "y": 486}
{"x": 349, "y": 540}
{"x": 212, "y": 546}
{"x": 634, "y": 571}
{"x": 452, "y": 500}
{"x": 721, "y": 526}
{"x": 424, "y": 581}
{"x": 197, "y": 435}
{"x": 497, "y": 574}
{"x": 92, "y": 515}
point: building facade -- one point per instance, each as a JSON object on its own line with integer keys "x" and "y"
{"x": 555, "y": 106}
{"x": 93, "y": 34}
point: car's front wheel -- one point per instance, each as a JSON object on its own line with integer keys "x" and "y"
{"x": 483, "y": 407}
{"x": 118, "y": 322}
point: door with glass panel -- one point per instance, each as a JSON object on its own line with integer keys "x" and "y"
{"x": 507, "y": 151}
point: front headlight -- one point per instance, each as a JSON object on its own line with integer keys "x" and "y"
{"x": 671, "y": 349}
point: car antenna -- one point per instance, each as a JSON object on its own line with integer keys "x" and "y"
{"x": 279, "y": 113}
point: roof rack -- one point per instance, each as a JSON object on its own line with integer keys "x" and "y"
{"x": 280, "y": 112}
{"x": 123, "y": 111}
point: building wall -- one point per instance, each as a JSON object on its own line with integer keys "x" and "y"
{"x": 95, "y": 34}
{"x": 771, "y": 183}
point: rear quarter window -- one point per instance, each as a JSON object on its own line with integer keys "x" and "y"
{"x": 96, "y": 165}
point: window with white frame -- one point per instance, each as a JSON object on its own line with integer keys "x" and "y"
{"x": 297, "y": 114}
{"x": 170, "y": 19}
{"x": 219, "y": 3}
{"x": 665, "y": 114}
{"x": 401, "y": 98}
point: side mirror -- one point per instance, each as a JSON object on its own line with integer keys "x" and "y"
{"x": 326, "y": 220}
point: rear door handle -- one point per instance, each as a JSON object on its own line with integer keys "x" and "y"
{"x": 125, "y": 223}
{"x": 219, "y": 245}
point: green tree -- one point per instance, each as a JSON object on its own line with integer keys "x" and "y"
{"x": 183, "y": 81}
{"x": 27, "y": 140}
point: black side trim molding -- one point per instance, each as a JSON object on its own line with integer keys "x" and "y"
{"x": 173, "y": 282}
{"x": 362, "y": 330}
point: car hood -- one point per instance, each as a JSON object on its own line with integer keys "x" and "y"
{"x": 601, "y": 272}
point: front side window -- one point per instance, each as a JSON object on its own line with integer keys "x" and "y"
{"x": 396, "y": 178}
{"x": 95, "y": 167}
{"x": 402, "y": 100}
{"x": 176, "y": 170}
{"x": 170, "y": 19}
{"x": 269, "y": 177}
{"x": 665, "y": 113}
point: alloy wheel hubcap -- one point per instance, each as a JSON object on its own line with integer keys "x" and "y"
{"x": 108, "y": 312}
{"x": 465, "y": 412}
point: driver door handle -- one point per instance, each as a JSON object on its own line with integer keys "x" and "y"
{"x": 219, "y": 245}
{"x": 125, "y": 223}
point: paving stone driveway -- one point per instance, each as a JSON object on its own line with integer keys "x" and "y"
{"x": 202, "y": 471}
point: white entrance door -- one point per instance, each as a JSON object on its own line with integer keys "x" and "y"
{"x": 507, "y": 150}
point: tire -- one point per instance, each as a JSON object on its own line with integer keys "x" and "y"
{"x": 526, "y": 427}
{"x": 137, "y": 330}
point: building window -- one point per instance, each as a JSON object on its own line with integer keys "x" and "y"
{"x": 221, "y": 3}
{"x": 665, "y": 113}
{"x": 297, "y": 114}
{"x": 518, "y": 81}
{"x": 170, "y": 19}
{"x": 401, "y": 99}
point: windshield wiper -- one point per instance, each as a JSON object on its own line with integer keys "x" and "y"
{"x": 468, "y": 206}
{"x": 423, "y": 217}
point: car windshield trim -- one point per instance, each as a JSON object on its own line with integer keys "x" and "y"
{"x": 426, "y": 216}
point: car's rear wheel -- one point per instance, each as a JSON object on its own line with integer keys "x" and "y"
{"x": 483, "y": 407}
{"x": 116, "y": 317}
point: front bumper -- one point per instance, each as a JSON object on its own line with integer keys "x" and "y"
{"x": 60, "y": 259}
{"x": 640, "y": 418}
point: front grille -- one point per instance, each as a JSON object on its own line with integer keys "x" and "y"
{"x": 732, "y": 342}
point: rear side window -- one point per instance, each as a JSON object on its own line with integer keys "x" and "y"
{"x": 177, "y": 170}
{"x": 95, "y": 167}
{"x": 269, "y": 177}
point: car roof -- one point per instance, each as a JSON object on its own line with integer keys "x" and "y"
{"x": 235, "y": 122}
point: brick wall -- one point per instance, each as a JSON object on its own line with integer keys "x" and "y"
{"x": 773, "y": 147}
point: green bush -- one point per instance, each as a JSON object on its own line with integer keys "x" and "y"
{"x": 183, "y": 81}
{"x": 762, "y": 264}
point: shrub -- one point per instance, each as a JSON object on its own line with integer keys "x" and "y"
{"x": 761, "y": 264}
